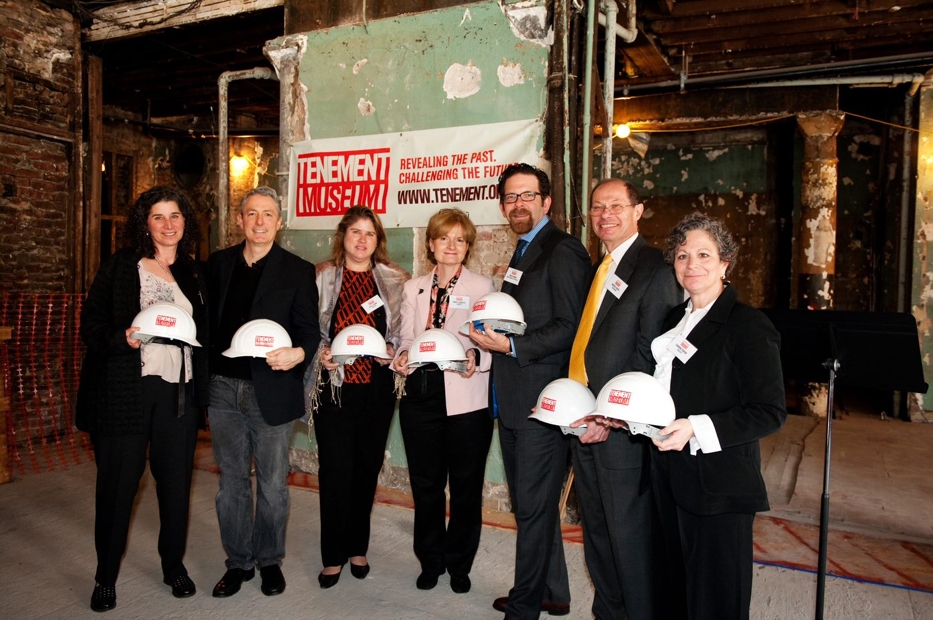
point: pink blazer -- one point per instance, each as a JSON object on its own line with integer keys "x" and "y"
{"x": 463, "y": 395}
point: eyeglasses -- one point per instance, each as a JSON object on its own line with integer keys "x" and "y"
{"x": 525, "y": 196}
{"x": 610, "y": 209}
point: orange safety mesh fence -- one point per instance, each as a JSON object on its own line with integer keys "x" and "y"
{"x": 41, "y": 366}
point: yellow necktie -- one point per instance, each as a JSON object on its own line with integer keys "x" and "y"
{"x": 578, "y": 352}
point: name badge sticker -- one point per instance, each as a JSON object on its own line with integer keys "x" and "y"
{"x": 372, "y": 304}
{"x": 616, "y": 286}
{"x": 682, "y": 349}
{"x": 513, "y": 275}
{"x": 459, "y": 302}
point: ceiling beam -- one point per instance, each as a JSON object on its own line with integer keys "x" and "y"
{"x": 134, "y": 18}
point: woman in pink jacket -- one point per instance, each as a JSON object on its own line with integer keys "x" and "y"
{"x": 444, "y": 415}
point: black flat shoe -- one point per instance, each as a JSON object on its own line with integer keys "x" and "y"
{"x": 328, "y": 581}
{"x": 359, "y": 572}
{"x": 182, "y": 586}
{"x": 426, "y": 581}
{"x": 104, "y": 598}
{"x": 273, "y": 581}
{"x": 460, "y": 584}
{"x": 230, "y": 583}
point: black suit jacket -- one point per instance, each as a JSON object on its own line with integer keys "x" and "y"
{"x": 287, "y": 294}
{"x": 551, "y": 293}
{"x": 622, "y": 334}
{"x": 735, "y": 378}
{"x": 109, "y": 401}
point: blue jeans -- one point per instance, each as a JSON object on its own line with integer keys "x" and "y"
{"x": 240, "y": 437}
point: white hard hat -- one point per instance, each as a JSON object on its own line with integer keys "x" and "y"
{"x": 256, "y": 338}
{"x": 640, "y": 400}
{"x": 165, "y": 320}
{"x": 562, "y": 402}
{"x": 437, "y": 346}
{"x": 498, "y": 310}
{"x": 356, "y": 341}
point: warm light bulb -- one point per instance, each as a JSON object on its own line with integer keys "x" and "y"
{"x": 623, "y": 131}
{"x": 238, "y": 165}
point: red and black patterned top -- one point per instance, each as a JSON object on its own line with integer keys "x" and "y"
{"x": 356, "y": 288}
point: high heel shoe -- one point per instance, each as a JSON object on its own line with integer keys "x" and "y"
{"x": 359, "y": 572}
{"x": 328, "y": 581}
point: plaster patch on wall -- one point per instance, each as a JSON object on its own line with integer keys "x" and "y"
{"x": 529, "y": 22}
{"x": 466, "y": 16}
{"x": 824, "y": 292}
{"x": 926, "y": 232}
{"x": 847, "y": 181}
{"x": 510, "y": 73}
{"x": 753, "y": 205}
{"x": 648, "y": 184}
{"x": 738, "y": 193}
{"x": 366, "y": 108}
{"x": 359, "y": 65}
{"x": 713, "y": 154}
{"x": 720, "y": 201}
{"x": 647, "y": 214}
{"x": 822, "y": 239}
{"x": 857, "y": 141}
{"x": 286, "y": 56}
{"x": 685, "y": 157}
{"x": 462, "y": 81}
{"x": 684, "y": 175}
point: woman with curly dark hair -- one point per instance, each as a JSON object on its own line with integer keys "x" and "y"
{"x": 136, "y": 397}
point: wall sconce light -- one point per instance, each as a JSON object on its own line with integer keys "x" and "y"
{"x": 238, "y": 165}
{"x": 622, "y": 131}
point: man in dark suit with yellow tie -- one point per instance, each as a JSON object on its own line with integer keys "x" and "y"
{"x": 547, "y": 276}
{"x": 630, "y": 293}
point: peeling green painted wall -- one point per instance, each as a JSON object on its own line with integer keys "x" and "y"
{"x": 473, "y": 64}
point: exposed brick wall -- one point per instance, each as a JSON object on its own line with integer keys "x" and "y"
{"x": 37, "y": 64}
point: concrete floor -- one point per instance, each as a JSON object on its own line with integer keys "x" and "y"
{"x": 46, "y": 524}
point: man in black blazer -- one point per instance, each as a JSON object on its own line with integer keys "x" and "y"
{"x": 254, "y": 400}
{"x": 547, "y": 276}
{"x": 611, "y": 467}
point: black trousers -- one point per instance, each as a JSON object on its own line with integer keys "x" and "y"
{"x": 708, "y": 559}
{"x": 120, "y": 464}
{"x": 442, "y": 448}
{"x": 351, "y": 438}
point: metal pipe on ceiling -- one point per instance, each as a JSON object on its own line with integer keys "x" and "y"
{"x": 627, "y": 33}
{"x": 223, "y": 145}
{"x": 611, "y": 10}
{"x": 916, "y": 79}
{"x": 587, "y": 128}
{"x": 713, "y": 81}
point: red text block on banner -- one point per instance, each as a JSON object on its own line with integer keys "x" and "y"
{"x": 329, "y": 183}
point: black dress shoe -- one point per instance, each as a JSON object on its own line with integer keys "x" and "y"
{"x": 104, "y": 598}
{"x": 273, "y": 581}
{"x": 230, "y": 583}
{"x": 460, "y": 584}
{"x": 552, "y": 609}
{"x": 359, "y": 572}
{"x": 182, "y": 586}
{"x": 328, "y": 581}
{"x": 426, "y": 581}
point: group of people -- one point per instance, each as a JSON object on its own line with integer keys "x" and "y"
{"x": 667, "y": 527}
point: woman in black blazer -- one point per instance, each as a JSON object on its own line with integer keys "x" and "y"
{"x": 721, "y": 362}
{"x": 129, "y": 397}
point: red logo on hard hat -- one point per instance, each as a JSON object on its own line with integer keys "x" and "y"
{"x": 480, "y": 305}
{"x": 427, "y": 346}
{"x": 354, "y": 340}
{"x": 265, "y": 341}
{"x": 549, "y": 403}
{"x": 619, "y": 397}
{"x": 165, "y": 321}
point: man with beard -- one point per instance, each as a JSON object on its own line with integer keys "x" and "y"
{"x": 547, "y": 276}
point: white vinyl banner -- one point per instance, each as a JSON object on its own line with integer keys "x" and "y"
{"x": 407, "y": 177}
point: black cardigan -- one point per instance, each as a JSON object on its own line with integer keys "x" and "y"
{"x": 109, "y": 394}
